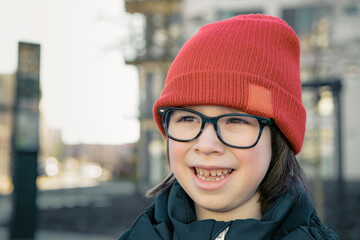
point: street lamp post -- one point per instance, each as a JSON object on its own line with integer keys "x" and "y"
{"x": 25, "y": 143}
{"x": 335, "y": 86}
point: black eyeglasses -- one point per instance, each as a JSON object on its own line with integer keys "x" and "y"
{"x": 233, "y": 129}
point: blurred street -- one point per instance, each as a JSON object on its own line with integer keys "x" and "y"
{"x": 59, "y": 235}
{"x": 101, "y": 212}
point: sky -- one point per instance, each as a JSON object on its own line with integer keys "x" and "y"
{"x": 87, "y": 90}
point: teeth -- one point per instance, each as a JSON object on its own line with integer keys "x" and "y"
{"x": 213, "y": 175}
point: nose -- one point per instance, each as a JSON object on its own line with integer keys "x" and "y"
{"x": 208, "y": 141}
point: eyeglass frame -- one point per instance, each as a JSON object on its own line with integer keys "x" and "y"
{"x": 263, "y": 122}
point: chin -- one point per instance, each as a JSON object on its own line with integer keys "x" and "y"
{"x": 216, "y": 205}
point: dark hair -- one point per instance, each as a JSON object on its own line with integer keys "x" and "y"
{"x": 284, "y": 173}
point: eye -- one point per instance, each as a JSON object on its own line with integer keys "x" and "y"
{"x": 187, "y": 119}
{"x": 236, "y": 120}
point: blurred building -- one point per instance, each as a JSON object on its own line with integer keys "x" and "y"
{"x": 83, "y": 165}
{"x": 119, "y": 159}
{"x": 162, "y": 39}
{"x": 7, "y": 95}
{"x": 330, "y": 44}
{"x": 51, "y": 141}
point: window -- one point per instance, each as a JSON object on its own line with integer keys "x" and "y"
{"x": 351, "y": 9}
{"x": 224, "y": 14}
{"x": 302, "y": 19}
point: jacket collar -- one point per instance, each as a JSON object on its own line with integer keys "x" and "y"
{"x": 173, "y": 217}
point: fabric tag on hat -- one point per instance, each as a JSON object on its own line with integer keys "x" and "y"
{"x": 260, "y": 99}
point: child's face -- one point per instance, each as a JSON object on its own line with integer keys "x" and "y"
{"x": 231, "y": 196}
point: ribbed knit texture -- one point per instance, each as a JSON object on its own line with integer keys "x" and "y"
{"x": 233, "y": 63}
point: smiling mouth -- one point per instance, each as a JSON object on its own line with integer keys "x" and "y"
{"x": 213, "y": 174}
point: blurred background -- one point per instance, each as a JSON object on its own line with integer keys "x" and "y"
{"x": 78, "y": 79}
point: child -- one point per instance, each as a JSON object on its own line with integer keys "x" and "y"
{"x": 232, "y": 115}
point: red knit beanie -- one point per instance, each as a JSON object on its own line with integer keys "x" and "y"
{"x": 248, "y": 62}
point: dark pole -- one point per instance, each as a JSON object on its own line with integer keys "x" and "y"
{"x": 337, "y": 100}
{"x": 335, "y": 85}
{"x": 25, "y": 143}
{"x": 341, "y": 196}
{"x": 341, "y": 200}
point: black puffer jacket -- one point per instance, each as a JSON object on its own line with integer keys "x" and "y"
{"x": 172, "y": 216}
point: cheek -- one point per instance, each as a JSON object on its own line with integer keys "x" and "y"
{"x": 266, "y": 148}
{"x": 254, "y": 166}
{"x": 176, "y": 155}
{"x": 255, "y": 162}
{"x": 264, "y": 145}
{"x": 264, "y": 153}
